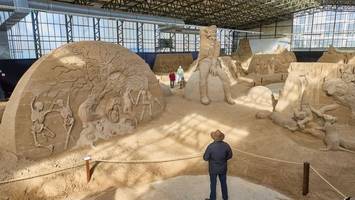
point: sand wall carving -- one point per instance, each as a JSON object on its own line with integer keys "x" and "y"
{"x": 332, "y": 55}
{"x": 305, "y": 82}
{"x": 2, "y": 109}
{"x": 271, "y": 63}
{"x": 244, "y": 51}
{"x": 165, "y": 63}
{"x": 76, "y": 95}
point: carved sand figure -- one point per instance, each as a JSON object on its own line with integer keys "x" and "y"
{"x": 304, "y": 121}
{"x": 147, "y": 101}
{"x": 38, "y": 117}
{"x": 343, "y": 91}
{"x": 274, "y": 102}
{"x": 303, "y": 116}
{"x": 68, "y": 118}
{"x": 101, "y": 79}
{"x": 128, "y": 102}
{"x": 87, "y": 110}
{"x": 331, "y": 138}
{"x": 113, "y": 110}
{"x": 208, "y": 64}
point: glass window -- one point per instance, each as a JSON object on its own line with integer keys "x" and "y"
{"x": 330, "y": 27}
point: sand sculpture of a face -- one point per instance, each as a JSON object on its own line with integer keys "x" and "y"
{"x": 208, "y": 64}
{"x": 78, "y": 94}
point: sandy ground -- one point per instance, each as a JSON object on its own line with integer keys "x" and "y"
{"x": 183, "y": 129}
{"x": 190, "y": 188}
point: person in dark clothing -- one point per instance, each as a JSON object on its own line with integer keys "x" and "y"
{"x": 172, "y": 79}
{"x": 217, "y": 154}
{"x": 2, "y": 91}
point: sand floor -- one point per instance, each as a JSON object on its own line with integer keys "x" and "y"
{"x": 190, "y": 188}
{"x": 183, "y": 129}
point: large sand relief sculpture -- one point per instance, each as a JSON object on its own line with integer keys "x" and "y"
{"x": 165, "y": 63}
{"x": 209, "y": 79}
{"x": 263, "y": 68}
{"x": 76, "y": 95}
{"x": 332, "y": 55}
{"x": 312, "y": 101}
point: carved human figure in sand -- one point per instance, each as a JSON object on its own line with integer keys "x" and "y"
{"x": 208, "y": 64}
{"x": 147, "y": 100}
{"x": 128, "y": 103}
{"x": 113, "y": 110}
{"x": 38, "y": 117}
{"x": 68, "y": 118}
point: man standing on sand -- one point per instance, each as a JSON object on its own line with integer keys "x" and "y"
{"x": 2, "y": 91}
{"x": 217, "y": 154}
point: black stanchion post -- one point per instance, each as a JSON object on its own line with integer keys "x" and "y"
{"x": 305, "y": 189}
{"x": 87, "y": 164}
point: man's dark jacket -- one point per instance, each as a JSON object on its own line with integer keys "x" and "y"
{"x": 217, "y": 154}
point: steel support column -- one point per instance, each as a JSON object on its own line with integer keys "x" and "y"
{"x": 186, "y": 42}
{"x": 140, "y": 39}
{"x": 235, "y": 41}
{"x": 310, "y": 43}
{"x": 36, "y": 36}
{"x": 156, "y": 38}
{"x": 69, "y": 27}
{"x": 227, "y": 42}
{"x": 172, "y": 37}
{"x": 96, "y": 22}
{"x": 335, "y": 19}
{"x": 196, "y": 43}
{"x": 119, "y": 24}
{"x": 275, "y": 33}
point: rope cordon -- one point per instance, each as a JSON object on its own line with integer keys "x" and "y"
{"x": 171, "y": 160}
{"x": 325, "y": 180}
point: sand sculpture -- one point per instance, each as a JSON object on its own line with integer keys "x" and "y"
{"x": 343, "y": 89}
{"x": 332, "y": 55}
{"x": 215, "y": 88}
{"x": 271, "y": 63}
{"x": 2, "y": 108}
{"x": 243, "y": 54}
{"x": 165, "y": 63}
{"x": 263, "y": 64}
{"x": 209, "y": 69}
{"x": 75, "y": 96}
{"x": 263, "y": 68}
{"x": 307, "y": 87}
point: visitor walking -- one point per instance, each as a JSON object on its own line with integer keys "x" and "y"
{"x": 172, "y": 79}
{"x": 180, "y": 74}
{"x": 217, "y": 154}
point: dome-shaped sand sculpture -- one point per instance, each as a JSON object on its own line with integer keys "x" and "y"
{"x": 77, "y": 94}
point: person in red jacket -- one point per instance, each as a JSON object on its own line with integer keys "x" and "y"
{"x": 172, "y": 79}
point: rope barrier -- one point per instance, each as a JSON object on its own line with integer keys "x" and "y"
{"x": 39, "y": 175}
{"x": 150, "y": 161}
{"x": 173, "y": 160}
{"x": 325, "y": 180}
{"x": 267, "y": 158}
